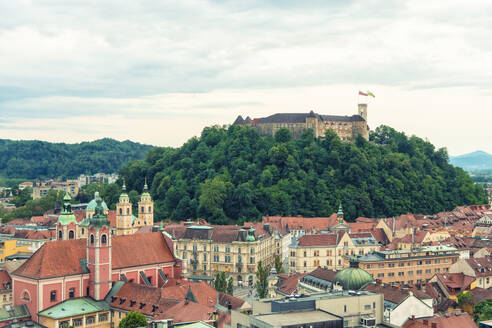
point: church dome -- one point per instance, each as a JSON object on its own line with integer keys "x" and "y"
{"x": 353, "y": 278}
{"x": 93, "y": 203}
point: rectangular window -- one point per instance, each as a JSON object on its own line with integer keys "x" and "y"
{"x": 228, "y": 249}
{"x": 216, "y": 248}
{"x": 380, "y": 275}
{"x": 239, "y": 250}
{"x": 92, "y": 319}
{"x": 419, "y": 271}
{"x": 391, "y": 265}
{"x": 77, "y": 322}
{"x": 437, "y": 270}
{"x": 305, "y": 254}
{"x": 410, "y": 273}
{"x": 344, "y": 308}
{"x": 103, "y": 317}
{"x": 195, "y": 247}
{"x": 401, "y": 264}
{"x": 381, "y": 265}
{"x": 63, "y": 324}
{"x": 391, "y": 274}
{"x": 204, "y": 267}
{"x": 71, "y": 293}
{"x": 252, "y": 251}
{"x": 367, "y": 307}
{"x": 428, "y": 271}
{"x": 427, "y": 261}
{"x": 293, "y": 254}
{"x": 305, "y": 264}
{"x": 204, "y": 257}
{"x": 53, "y": 296}
{"x": 316, "y": 263}
{"x": 400, "y": 274}
{"x": 252, "y": 260}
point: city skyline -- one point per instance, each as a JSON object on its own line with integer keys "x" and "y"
{"x": 158, "y": 73}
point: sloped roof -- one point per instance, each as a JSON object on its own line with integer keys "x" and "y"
{"x": 5, "y": 280}
{"x": 462, "y": 320}
{"x": 318, "y": 240}
{"x": 455, "y": 282}
{"x": 323, "y": 274}
{"x": 63, "y": 257}
{"x": 482, "y": 266}
{"x": 226, "y": 299}
{"x": 288, "y": 285}
{"x": 177, "y": 289}
{"x": 393, "y": 294}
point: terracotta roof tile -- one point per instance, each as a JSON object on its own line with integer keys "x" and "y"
{"x": 318, "y": 240}
{"x": 226, "y": 299}
{"x": 289, "y": 285}
{"x": 482, "y": 266}
{"x": 5, "y": 280}
{"x": 393, "y": 294}
{"x": 455, "y": 282}
{"x": 462, "y": 320}
{"x": 62, "y": 257}
{"x": 177, "y": 289}
{"x": 323, "y": 274}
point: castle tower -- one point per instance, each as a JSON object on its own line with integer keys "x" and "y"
{"x": 99, "y": 254}
{"x": 363, "y": 111}
{"x": 124, "y": 215}
{"x": 66, "y": 226}
{"x": 145, "y": 209}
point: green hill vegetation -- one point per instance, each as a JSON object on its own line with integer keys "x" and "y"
{"x": 39, "y": 159}
{"x": 232, "y": 174}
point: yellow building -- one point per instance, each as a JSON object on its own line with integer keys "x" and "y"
{"x": 126, "y": 222}
{"x": 10, "y": 247}
{"x": 328, "y": 250}
{"x": 78, "y": 312}
{"x": 206, "y": 250}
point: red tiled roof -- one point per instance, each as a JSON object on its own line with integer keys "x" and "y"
{"x": 187, "y": 311}
{"x": 62, "y": 257}
{"x": 323, "y": 274}
{"x": 481, "y": 294}
{"x": 482, "y": 266}
{"x": 361, "y": 226}
{"x": 5, "y": 280}
{"x": 318, "y": 240}
{"x": 289, "y": 285}
{"x": 297, "y": 223}
{"x": 226, "y": 299}
{"x": 18, "y": 222}
{"x": 177, "y": 289}
{"x": 140, "y": 298}
{"x": 393, "y": 294}
{"x": 455, "y": 282}
{"x": 462, "y": 320}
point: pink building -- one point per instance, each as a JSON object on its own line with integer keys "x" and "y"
{"x": 65, "y": 269}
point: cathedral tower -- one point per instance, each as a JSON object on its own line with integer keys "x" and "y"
{"x": 124, "y": 217}
{"x": 145, "y": 209}
{"x": 99, "y": 254}
{"x": 66, "y": 226}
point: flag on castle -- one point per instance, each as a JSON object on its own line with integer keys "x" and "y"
{"x": 362, "y": 93}
{"x": 369, "y": 93}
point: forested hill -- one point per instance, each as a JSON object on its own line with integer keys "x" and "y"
{"x": 231, "y": 174}
{"x": 38, "y": 159}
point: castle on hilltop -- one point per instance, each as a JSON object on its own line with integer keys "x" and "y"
{"x": 347, "y": 127}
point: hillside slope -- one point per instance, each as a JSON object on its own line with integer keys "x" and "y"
{"x": 231, "y": 174}
{"x": 37, "y": 159}
{"x": 477, "y": 160}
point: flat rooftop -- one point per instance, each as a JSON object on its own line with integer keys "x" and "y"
{"x": 296, "y": 318}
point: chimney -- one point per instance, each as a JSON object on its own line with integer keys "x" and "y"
{"x": 412, "y": 318}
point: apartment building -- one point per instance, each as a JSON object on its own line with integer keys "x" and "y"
{"x": 329, "y": 250}
{"x": 409, "y": 266}
{"x": 235, "y": 250}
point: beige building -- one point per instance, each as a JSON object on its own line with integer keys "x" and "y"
{"x": 207, "y": 249}
{"x": 479, "y": 268}
{"x": 346, "y": 127}
{"x": 409, "y": 266}
{"x": 329, "y": 250}
{"x": 335, "y": 309}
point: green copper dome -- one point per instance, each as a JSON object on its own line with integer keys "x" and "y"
{"x": 353, "y": 278}
{"x": 251, "y": 234}
{"x": 99, "y": 219}
{"x": 66, "y": 216}
{"x": 93, "y": 203}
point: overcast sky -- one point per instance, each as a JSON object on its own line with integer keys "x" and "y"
{"x": 159, "y": 71}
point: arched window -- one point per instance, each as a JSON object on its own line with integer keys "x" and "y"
{"x": 26, "y": 296}
{"x": 104, "y": 239}
{"x": 71, "y": 234}
{"x": 83, "y": 230}
{"x": 60, "y": 234}
{"x": 92, "y": 239}
{"x": 142, "y": 209}
{"x": 121, "y": 211}
{"x": 127, "y": 211}
{"x": 150, "y": 209}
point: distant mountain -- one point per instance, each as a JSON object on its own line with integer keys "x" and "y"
{"x": 478, "y": 160}
{"x": 31, "y": 159}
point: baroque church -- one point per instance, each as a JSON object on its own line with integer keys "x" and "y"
{"x": 122, "y": 223}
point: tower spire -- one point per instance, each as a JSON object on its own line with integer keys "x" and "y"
{"x": 145, "y": 185}
{"x": 123, "y": 188}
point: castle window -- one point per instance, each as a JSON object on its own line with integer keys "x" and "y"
{"x": 92, "y": 239}
{"x": 53, "y": 296}
{"x": 104, "y": 239}
{"x": 60, "y": 234}
{"x": 121, "y": 211}
{"x": 71, "y": 234}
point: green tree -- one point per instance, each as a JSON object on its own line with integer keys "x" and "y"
{"x": 279, "y": 267}
{"x": 220, "y": 282}
{"x": 133, "y": 320}
{"x": 464, "y": 298}
{"x": 262, "y": 280}
{"x": 23, "y": 197}
{"x": 230, "y": 286}
{"x": 482, "y": 311}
